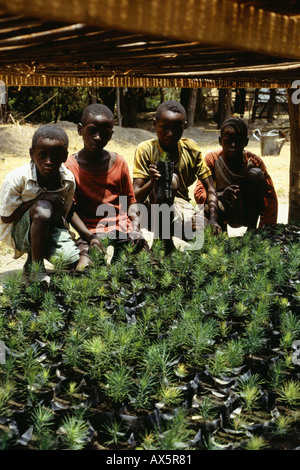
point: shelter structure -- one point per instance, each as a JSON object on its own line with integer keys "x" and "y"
{"x": 150, "y": 43}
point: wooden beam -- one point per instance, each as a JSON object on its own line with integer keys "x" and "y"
{"x": 86, "y": 79}
{"x": 217, "y": 22}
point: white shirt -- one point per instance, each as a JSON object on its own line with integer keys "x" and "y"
{"x": 21, "y": 185}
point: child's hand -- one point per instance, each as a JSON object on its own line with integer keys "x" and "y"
{"x": 154, "y": 174}
{"x": 95, "y": 242}
{"x": 136, "y": 237}
{"x": 231, "y": 194}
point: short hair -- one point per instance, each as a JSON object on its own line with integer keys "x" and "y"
{"x": 52, "y": 132}
{"x": 170, "y": 105}
{"x": 238, "y": 124}
{"x": 96, "y": 109}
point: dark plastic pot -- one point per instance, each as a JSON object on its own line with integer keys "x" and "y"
{"x": 163, "y": 186}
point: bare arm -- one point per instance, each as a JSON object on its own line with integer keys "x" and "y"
{"x": 212, "y": 201}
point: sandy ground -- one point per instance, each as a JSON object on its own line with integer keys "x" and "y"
{"x": 15, "y": 142}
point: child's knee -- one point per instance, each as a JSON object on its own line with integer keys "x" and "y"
{"x": 256, "y": 176}
{"x": 41, "y": 211}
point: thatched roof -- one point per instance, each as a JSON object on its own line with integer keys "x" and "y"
{"x": 147, "y": 43}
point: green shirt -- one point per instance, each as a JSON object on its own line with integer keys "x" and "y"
{"x": 189, "y": 165}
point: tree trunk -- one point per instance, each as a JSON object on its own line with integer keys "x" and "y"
{"x": 200, "y": 114}
{"x": 119, "y": 115}
{"x": 93, "y": 95}
{"x": 162, "y": 95}
{"x": 294, "y": 190}
{"x": 240, "y": 101}
{"x": 224, "y": 106}
{"x": 255, "y": 105}
{"x": 191, "y": 107}
{"x": 272, "y": 103}
{"x": 228, "y": 103}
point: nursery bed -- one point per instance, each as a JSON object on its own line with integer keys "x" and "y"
{"x": 192, "y": 351}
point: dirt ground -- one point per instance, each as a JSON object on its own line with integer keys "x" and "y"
{"x": 15, "y": 141}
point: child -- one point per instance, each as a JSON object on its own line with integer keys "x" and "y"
{"x": 245, "y": 189}
{"x": 35, "y": 202}
{"x": 105, "y": 205}
{"x": 169, "y": 123}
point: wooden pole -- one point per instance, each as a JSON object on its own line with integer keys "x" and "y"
{"x": 294, "y": 191}
{"x": 119, "y": 107}
{"x": 191, "y": 107}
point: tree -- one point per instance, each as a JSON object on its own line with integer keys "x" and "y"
{"x": 191, "y": 107}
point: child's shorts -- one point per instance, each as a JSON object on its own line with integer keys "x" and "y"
{"x": 60, "y": 244}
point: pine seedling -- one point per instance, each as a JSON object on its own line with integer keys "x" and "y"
{"x": 218, "y": 365}
{"x": 42, "y": 419}
{"x": 176, "y": 435}
{"x": 72, "y": 351}
{"x": 75, "y": 432}
{"x": 54, "y": 348}
{"x": 255, "y": 443}
{"x": 234, "y": 352}
{"x": 115, "y": 431}
{"x": 277, "y": 374}
{"x": 249, "y": 390}
{"x": 51, "y": 318}
{"x": 144, "y": 389}
{"x": 181, "y": 370}
{"x": 289, "y": 393}
{"x": 96, "y": 348}
{"x": 200, "y": 338}
{"x": 254, "y": 334}
{"x": 157, "y": 360}
{"x": 148, "y": 441}
{"x": 6, "y": 392}
{"x": 290, "y": 329}
{"x": 293, "y": 263}
{"x": 8, "y": 367}
{"x": 13, "y": 288}
{"x": 282, "y": 425}
{"x": 208, "y": 409}
{"x": 118, "y": 384}
{"x": 241, "y": 309}
{"x": 170, "y": 395}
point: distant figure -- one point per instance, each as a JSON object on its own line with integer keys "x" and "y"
{"x": 169, "y": 123}
{"x": 105, "y": 205}
{"x": 245, "y": 189}
{"x": 36, "y": 201}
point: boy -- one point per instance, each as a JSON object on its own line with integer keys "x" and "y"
{"x": 244, "y": 187}
{"x": 169, "y": 123}
{"x": 105, "y": 205}
{"x": 35, "y": 202}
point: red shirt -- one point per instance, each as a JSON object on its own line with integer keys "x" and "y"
{"x": 269, "y": 214}
{"x": 100, "y": 192}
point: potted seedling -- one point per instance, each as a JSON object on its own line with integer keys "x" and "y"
{"x": 163, "y": 186}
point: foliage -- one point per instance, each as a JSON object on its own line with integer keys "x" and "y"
{"x": 160, "y": 352}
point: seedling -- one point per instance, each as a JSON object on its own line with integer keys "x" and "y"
{"x": 290, "y": 393}
{"x": 170, "y": 395}
{"x": 249, "y": 390}
{"x": 255, "y": 443}
{"x": 115, "y": 430}
{"x": 74, "y": 432}
{"x": 118, "y": 384}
